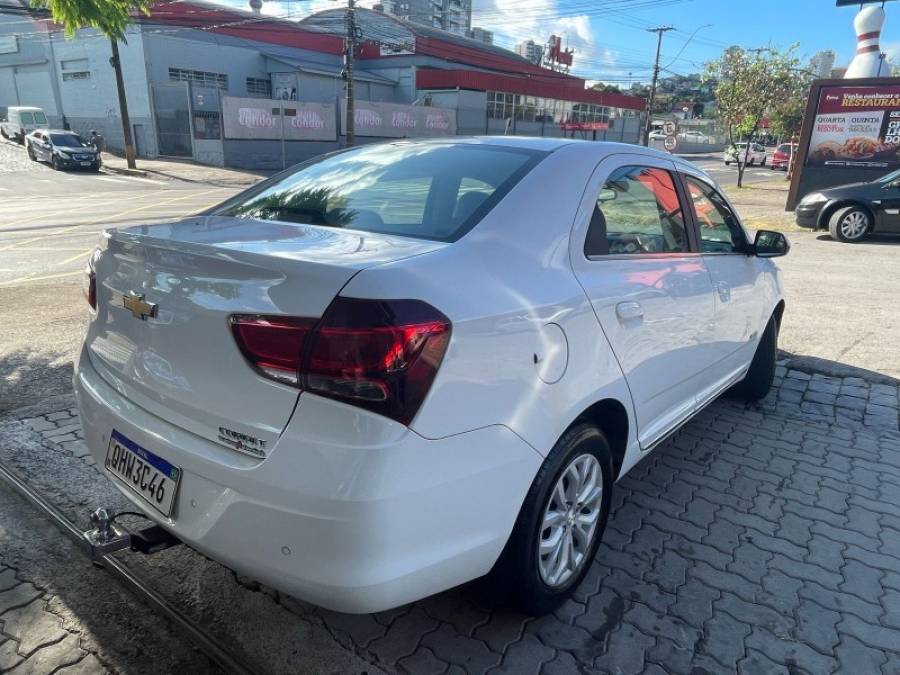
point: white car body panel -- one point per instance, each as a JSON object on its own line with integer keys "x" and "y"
{"x": 353, "y": 510}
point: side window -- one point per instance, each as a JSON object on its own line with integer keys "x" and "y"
{"x": 637, "y": 213}
{"x": 720, "y": 230}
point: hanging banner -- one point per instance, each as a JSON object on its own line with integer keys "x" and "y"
{"x": 856, "y": 127}
{"x": 260, "y": 118}
{"x": 392, "y": 120}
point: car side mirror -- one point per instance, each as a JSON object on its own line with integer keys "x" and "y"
{"x": 606, "y": 195}
{"x": 770, "y": 244}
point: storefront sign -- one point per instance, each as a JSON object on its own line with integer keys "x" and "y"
{"x": 391, "y": 120}
{"x": 261, "y": 118}
{"x": 584, "y": 126}
{"x": 856, "y": 127}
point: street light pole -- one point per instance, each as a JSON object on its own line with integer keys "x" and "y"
{"x": 349, "y": 49}
{"x": 659, "y": 34}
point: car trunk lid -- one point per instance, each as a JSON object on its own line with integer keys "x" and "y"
{"x": 165, "y": 294}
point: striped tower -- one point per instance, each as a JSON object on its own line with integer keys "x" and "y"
{"x": 868, "y": 61}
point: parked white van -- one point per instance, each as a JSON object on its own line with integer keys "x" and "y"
{"x": 21, "y": 120}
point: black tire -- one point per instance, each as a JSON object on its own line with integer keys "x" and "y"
{"x": 763, "y": 163}
{"x": 30, "y": 151}
{"x": 54, "y": 162}
{"x": 517, "y": 574}
{"x": 839, "y": 224}
{"x": 758, "y": 380}
{"x": 20, "y": 139}
{"x": 3, "y": 133}
{"x": 727, "y": 163}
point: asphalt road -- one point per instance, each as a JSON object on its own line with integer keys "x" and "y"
{"x": 49, "y": 224}
{"x": 727, "y": 175}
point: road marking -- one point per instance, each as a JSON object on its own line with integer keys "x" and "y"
{"x": 117, "y": 215}
{"x": 41, "y": 278}
{"x": 6, "y": 226}
{"x": 75, "y": 257}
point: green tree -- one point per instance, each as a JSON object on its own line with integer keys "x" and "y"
{"x": 751, "y": 84}
{"x": 112, "y": 18}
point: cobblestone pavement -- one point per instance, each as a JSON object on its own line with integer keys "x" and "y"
{"x": 761, "y": 538}
{"x": 32, "y": 638}
{"x": 13, "y": 158}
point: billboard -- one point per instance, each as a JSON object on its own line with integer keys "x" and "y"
{"x": 856, "y": 126}
{"x": 260, "y": 118}
{"x": 392, "y": 120}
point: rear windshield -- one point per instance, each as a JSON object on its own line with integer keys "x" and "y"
{"x": 28, "y": 118}
{"x": 785, "y": 148}
{"x": 67, "y": 140}
{"x": 427, "y": 191}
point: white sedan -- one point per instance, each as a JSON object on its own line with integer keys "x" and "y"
{"x": 403, "y": 366}
{"x": 738, "y": 152}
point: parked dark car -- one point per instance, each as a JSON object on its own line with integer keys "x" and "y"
{"x": 62, "y": 149}
{"x": 853, "y": 212}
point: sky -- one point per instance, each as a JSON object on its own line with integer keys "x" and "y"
{"x": 612, "y": 44}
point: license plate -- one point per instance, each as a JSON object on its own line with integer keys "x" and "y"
{"x": 146, "y": 474}
{"x": 85, "y": 163}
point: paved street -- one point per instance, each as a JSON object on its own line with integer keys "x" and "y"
{"x": 760, "y": 539}
{"x": 727, "y": 175}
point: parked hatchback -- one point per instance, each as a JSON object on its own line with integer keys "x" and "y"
{"x": 781, "y": 158}
{"x": 852, "y": 212}
{"x": 403, "y": 366}
{"x": 62, "y": 150}
{"x": 738, "y": 152}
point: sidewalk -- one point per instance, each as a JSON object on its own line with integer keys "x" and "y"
{"x": 184, "y": 170}
{"x": 761, "y": 205}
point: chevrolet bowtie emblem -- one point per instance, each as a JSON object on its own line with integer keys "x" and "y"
{"x": 134, "y": 303}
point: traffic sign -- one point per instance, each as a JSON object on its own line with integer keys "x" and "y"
{"x": 669, "y": 127}
{"x": 670, "y": 143}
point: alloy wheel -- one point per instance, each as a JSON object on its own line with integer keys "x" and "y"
{"x": 570, "y": 520}
{"x": 854, "y": 225}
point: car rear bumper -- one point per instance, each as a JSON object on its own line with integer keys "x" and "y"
{"x": 350, "y": 510}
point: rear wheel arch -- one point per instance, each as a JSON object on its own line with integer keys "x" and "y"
{"x": 611, "y": 417}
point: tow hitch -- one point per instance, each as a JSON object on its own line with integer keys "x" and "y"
{"x": 108, "y": 537}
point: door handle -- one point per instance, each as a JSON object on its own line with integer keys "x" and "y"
{"x": 629, "y": 310}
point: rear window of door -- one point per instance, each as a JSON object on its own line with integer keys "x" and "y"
{"x": 719, "y": 228}
{"x": 424, "y": 190}
{"x": 637, "y": 212}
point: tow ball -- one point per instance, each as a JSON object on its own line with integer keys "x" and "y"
{"x": 108, "y": 537}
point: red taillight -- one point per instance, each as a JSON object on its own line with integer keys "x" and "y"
{"x": 381, "y": 355}
{"x": 89, "y": 286}
{"x": 273, "y": 344}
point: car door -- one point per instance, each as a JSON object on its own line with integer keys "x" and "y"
{"x": 638, "y": 262}
{"x": 734, "y": 276}
{"x": 43, "y": 146}
{"x": 886, "y": 205}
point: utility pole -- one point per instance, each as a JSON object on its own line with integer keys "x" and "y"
{"x": 659, "y": 35}
{"x": 349, "y": 50}
{"x": 116, "y": 63}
